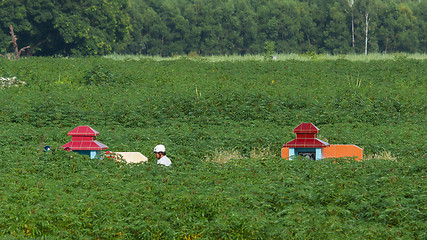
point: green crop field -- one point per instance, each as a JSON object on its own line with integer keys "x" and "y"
{"x": 223, "y": 123}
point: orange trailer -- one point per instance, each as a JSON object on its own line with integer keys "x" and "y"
{"x": 340, "y": 150}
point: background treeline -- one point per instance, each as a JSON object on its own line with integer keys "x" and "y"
{"x": 213, "y": 27}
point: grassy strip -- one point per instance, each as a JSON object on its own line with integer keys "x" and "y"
{"x": 279, "y": 57}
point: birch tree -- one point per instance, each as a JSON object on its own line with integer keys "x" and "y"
{"x": 366, "y": 11}
{"x": 351, "y": 4}
{"x": 366, "y": 31}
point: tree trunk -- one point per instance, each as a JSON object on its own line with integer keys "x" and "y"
{"x": 14, "y": 39}
{"x": 352, "y": 29}
{"x": 366, "y": 32}
{"x": 351, "y": 4}
{"x": 15, "y": 44}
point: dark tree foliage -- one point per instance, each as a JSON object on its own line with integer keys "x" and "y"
{"x": 213, "y": 27}
{"x": 65, "y": 27}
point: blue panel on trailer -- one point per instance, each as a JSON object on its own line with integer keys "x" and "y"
{"x": 319, "y": 154}
{"x": 291, "y": 153}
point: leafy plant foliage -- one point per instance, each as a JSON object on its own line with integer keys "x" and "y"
{"x": 201, "y": 110}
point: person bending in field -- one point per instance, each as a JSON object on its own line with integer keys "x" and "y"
{"x": 160, "y": 152}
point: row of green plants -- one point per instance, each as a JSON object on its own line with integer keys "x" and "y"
{"x": 62, "y": 195}
{"x": 331, "y": 92}
{"x": 223, "y": 124}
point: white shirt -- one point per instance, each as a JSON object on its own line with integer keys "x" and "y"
{"x": 165, "y": 161}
